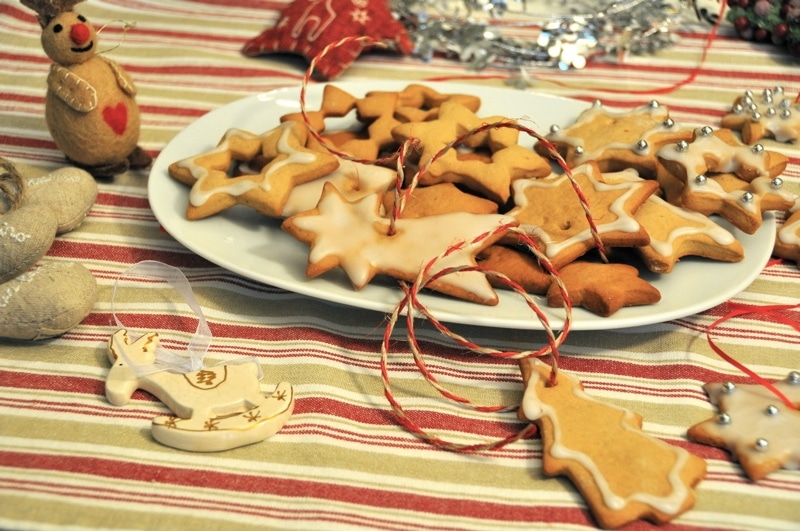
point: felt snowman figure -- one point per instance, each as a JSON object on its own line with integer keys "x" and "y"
{"x": 90, "y": 107}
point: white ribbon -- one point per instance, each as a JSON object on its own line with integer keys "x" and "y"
{"x": 167, "y": 360}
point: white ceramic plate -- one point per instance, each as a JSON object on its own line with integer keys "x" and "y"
{"x": 248, "y": 244}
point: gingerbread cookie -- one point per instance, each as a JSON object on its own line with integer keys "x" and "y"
{"x": 420, "y": 103}
{"x": 286, "y": 162}
{"x": 602, "y": 288}
{"x": 787, "y": 242}
{"x": 355, "y": 237}
{"x": 617, "y": 140}
{"x": 490, "y": 176}
{"x": 518, "y": 265}
{"x": 761, "y": 432}
{"x": 442, "y": 198}
{"x": 623, "y": 473}
{"x": 550, "y": 210}
{"x": 772, "y": 115}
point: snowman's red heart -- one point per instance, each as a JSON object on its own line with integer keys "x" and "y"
{"x": 116, "y": 117}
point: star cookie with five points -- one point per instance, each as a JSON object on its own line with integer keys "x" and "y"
{"x": 486, "y": 162}
{"x": 551, "y": 211}
{"x": 283, "y": 159}
{"x": 771, "y": 115}
{"x": 637, "y": 135}
{"x": 761, "y": 432}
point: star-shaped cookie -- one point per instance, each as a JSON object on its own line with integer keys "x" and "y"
{"x": 490, "y": 175}
{"x": 551, "y": 211}
{"x": 770, "y": 115}
{"x": 307, "y": 27}
{"x": 286, "y": 163}
{"x": 787, "y": 242}
{"x": 618, "y": 139}
{"x": 355, "y": 237}
{"x": 761, "y": 432}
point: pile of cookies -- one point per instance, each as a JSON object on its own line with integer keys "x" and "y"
{"x": 423, "y": 173}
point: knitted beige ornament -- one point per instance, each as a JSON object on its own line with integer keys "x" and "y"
{"x": 25, "y": 234}
{"x": 46, "y": 301}
{"x": 67, "y": 192}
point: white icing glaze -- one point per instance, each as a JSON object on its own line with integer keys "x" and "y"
{"x": 657, "y": 114}
{"x": 746, "y": 407}
{"x": 236, "y": 186}
{"x": 354, "y": 179}
{"x": 789, "y": 233}
{"x": 769, "y": 114}
{"x": 728, "y": 158}
{"x": 623, "y": 222}
{"x": 534, "y": 409}
{"x": 696, "y": 224}
{"x": 357, "y": 236}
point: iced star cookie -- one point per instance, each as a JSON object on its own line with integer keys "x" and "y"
{"x": 718, "y": 151}
{"x": 623, "y": 473}
{"x": 355, "y": 237}
{"x": 550, "y": 210}
{"x": 617, "y": 140}
{"x": 761, "y": 432}
{"x": 770, "y": 115}
{"x": 284, "y": 162}
{"x": 787, "y": 242}
{"x": 493, "y": 158}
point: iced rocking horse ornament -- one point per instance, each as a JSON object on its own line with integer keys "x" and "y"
{"x": 216, "y": 408}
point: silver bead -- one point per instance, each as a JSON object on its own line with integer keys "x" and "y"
{"x": 668, "y": 123}
{"x": 748, "y": 96}
{"x": 771, "y": 410}
{"x": 762, "y": 444}
{"x": 756, "y": 116}
{"x": 771, "y": 111}
{"x": 786, "y": 114}
{"x": 724, "y": 419}
{"x": 728, "y": 387}
{"x": 776, "y": 183}
{"x": 654, "y": 104}
{"x": 757, "y": 148}
{"x": 555, "y": 128}
{"x": 579, "y": 150}
{"x": 785, "y": 104}
{"x": 738, "y": 109}
{"x": 747, "y": 197}
{"x": 794, "y": 377}
{"x": 700, "y": 179}
{"x": 706, "y": 130}
{"x": 778, "y": 90}
{"x": 682, "y": 145}
{"x": 767, "y": 96}
{"x": 641, "y": 145}
{"x": 597, "y": 103}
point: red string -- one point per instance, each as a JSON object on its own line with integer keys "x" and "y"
{"x": 771, "y": 311}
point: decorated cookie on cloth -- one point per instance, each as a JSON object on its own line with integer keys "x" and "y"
{"x": 215, "y": 408}
{"x": 39, "y": 300}
{"x": 761, "y": 432}
{"x": 309, "y": 27}
{"x": 623, "y": 473}
{"x": 787, "y": 242}
{"x": 772, "y": 114}
{"x": 90, "y": 107}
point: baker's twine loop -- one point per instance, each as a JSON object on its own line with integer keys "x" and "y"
{"x": 12, "y": 187}
{"x": 411, "y": 303}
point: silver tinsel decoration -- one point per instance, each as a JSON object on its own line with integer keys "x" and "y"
{"x": 546, "y": 33}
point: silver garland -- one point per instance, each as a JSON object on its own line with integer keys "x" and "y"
{"x": 517, "y": 34}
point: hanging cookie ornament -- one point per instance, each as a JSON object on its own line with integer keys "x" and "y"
{"x": 90, "y": 106}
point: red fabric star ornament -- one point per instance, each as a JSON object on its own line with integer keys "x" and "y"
{"x": 306, "y": 27}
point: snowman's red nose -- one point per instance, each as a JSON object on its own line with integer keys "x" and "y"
{"x": 80, "y": 34}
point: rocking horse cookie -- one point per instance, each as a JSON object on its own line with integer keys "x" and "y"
{"x": 216, "y": 408}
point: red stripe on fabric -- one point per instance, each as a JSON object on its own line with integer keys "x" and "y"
{"x": 121, "y": 254}
{"x": 290, "y": 488}
{"x": 51, "y": 382}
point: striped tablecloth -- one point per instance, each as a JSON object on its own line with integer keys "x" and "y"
{"x": 70, "y": 459}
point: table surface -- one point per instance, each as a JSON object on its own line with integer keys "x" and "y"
{"x": 70, "y": 458}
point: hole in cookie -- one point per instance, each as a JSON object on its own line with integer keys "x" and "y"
{"x": 566, "y": 225}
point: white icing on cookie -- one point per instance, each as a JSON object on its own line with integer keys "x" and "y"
{"x": 354, "y": 179}
{"x": 358, "y": 237}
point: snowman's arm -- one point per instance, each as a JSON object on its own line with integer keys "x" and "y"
{"x": 72, "y": 89}
{"x": 123, "y": 79}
